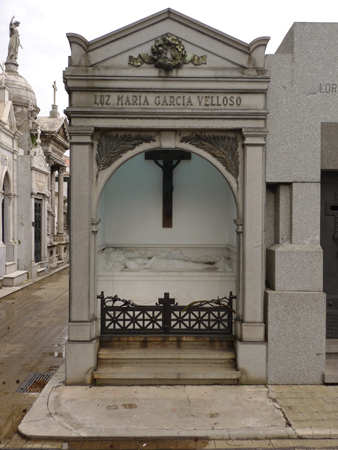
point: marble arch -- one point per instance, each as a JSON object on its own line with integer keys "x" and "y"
{"x": 233, "y": 184}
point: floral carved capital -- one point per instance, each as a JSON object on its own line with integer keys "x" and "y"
{"x": 222, "y": 147}
{"x": 112, "y": 147}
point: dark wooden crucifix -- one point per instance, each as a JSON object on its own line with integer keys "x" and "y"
{"x": 171, "y": 159}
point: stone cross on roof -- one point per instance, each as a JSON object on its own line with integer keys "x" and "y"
{"x": 55, "y": 89}
{"x": 4, "y": 74}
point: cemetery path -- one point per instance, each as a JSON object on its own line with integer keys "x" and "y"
{"x": 33, "y": 332}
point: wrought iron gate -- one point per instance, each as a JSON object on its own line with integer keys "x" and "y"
{"x": 37, "y": 229}
{"x": 166, "y": 317}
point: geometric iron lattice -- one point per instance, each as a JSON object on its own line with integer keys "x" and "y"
{"x": 35, "y": 382}
{"x": 166, "y": 317}
{"x": 331, "y": 317}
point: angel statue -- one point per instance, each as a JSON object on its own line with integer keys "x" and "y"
{"x": 14, "y": 41}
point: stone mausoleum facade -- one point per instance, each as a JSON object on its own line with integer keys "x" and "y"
{"x": 202, "y": 162}
{"x": 33, "y": 239}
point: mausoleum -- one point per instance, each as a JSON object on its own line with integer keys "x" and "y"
{"x": 199, "y": 159}
{"x": 31, "y": 147}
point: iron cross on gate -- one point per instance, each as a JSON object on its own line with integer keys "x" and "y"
{"x": 167, "y": 303}
{"x": 332, "y": 210}
{"x": 168, "y": 157}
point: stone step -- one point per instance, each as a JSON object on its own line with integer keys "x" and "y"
{"x": 167, "y": 342}
{"x": 15, "y": 278}
{"x": 41, "y": 271}
{"x": 156, "y": 356}
{"x": 331, "y": 347}
{"x": 10, "y": 267}
{"x": 331, "y": 363}
{"x": 331, "y": 371}
{"x": 166, "y": 375}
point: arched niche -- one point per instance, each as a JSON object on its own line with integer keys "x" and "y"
{"x": 206, "y": 198}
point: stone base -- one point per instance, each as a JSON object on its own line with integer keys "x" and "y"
{"x": 12, "y": 252}
{"x": 81, "y": 360}
{"x": 295, "y": 267}
{"x": 63, "y": 252}
{"x": 296, "y": 337}
{"x": 52, "y": 256}
{"x": 2, "y": 260}
{"x": 251, "y": 361}
{"x": 14, "y": 278}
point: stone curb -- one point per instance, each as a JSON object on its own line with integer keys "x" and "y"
{"x": 317, "y": 433}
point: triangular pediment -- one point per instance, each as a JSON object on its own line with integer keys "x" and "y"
{"x": 203, "y": 45}
{"x": 7, "y": 115}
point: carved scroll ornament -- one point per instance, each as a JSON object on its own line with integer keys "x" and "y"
{"x": 223, "y": 148}
{"x": 168, "y": 53}
{"x": 112, "y": 147}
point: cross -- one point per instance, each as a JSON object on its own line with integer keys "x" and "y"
{"x": 332, "y": 210}
{"x": 4, "y": 74}
{"x": 168, "y": 157}
{"x": 55, "y": 89}
{"x": 167, "y": 303}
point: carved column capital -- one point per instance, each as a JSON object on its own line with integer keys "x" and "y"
{"x": 95, "y": 225}
{"x": 81, "y": 135}
{"x": 239, "y": 225}
{"x": 254, "y": 136}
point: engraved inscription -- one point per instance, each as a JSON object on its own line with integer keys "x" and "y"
{"x": 165, "y": 100}
{"x": 328, "y": 88}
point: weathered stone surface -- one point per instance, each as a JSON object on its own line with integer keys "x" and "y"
{"x": 303, "y": 81}
{"x": 294, "y": 267}
{"x": 296, "y": 337}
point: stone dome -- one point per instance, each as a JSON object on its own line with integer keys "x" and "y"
{"x": 20, "y": 91}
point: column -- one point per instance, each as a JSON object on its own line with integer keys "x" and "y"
{"x": 44, "y": 256}
{"x": 9, "y": 218}
{"x": 60, "y": 201}
{"x": 1, "y": 213}
{"x": 250, "y": 345}
{"x": 52, "y": 225}
{"x": 295, "y": 303}
{"x": 82, "y": 344}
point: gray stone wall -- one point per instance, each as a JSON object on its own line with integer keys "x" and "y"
{"x": 301, "y": 125}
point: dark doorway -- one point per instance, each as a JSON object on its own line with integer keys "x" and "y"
{"x": 37, "y": 229}
{"x": 329, "y": 243}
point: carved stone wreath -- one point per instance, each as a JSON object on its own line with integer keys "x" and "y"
{"x": 112, "y": 147}
{"x": 222, "y": 147}
{"x": 160, "y": 58}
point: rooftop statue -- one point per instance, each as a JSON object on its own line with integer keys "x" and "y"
{"x": 14, "y": 41}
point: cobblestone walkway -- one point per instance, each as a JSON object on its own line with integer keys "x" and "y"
{"x": 33, "y": 332}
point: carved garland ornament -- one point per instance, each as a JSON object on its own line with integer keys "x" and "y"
{"x": 223, "y": 148}
{"x": 112, "y": 147}
{"x": 177, "y": 54}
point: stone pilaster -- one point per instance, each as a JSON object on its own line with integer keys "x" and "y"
{"x": 60, "y": 202}
{"x": 81, "y": 347}
{"x": 1, "y": 221}
{"x": 53, "y": 203}
{"x": 250, "y": 329}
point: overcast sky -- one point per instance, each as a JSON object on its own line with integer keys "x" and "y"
{"x": 44, "y": 24}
